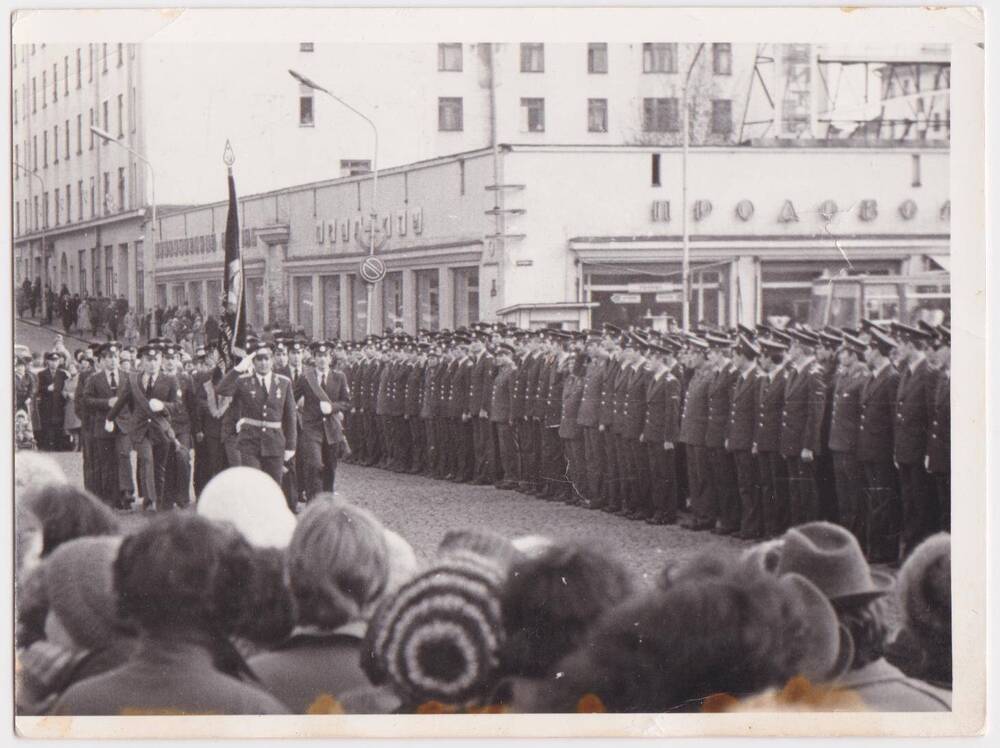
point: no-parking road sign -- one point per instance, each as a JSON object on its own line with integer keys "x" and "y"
{"x": 372, "y": 269}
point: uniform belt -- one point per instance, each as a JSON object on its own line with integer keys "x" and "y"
{"x": 259, "y": 424}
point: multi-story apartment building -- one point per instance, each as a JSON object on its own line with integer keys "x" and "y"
{"x": 178, "y": 105}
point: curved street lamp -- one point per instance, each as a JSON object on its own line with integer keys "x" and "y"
{"x": 309, "y": 83}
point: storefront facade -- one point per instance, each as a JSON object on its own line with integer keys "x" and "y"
{"x": 569, "y": 236}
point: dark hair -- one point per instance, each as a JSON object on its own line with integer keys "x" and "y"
{"x": 869, "y": 630}
{"x": 67, "y": 513}
{"x": 580, "y": 364}
{"x": 550, "y": 601}
{"x": 670, "y": 649}
{"x": 338, "y": 562}
{"x": 184, "y": 570}
{"x": 268, "y": 613}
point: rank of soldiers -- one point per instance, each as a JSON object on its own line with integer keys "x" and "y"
{"x": 742, "y": 432}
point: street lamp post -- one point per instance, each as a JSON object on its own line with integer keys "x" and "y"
{"x": 685, "y": 239}
{"x": 109, "y": 138}
{"x": 45, "y": 257}
{"x": 308, "y": 82}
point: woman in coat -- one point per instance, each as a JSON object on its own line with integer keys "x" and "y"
{"x": 131, "y": 329}
{"x": 83, "y": 315}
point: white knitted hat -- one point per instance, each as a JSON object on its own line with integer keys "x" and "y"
{"x": 252, "y": 502}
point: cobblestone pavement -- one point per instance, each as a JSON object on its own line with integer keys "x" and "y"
{"x": 423, "y": 510}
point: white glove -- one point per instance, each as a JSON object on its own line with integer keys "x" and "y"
{"x": 245, "y": 365}
{"x": 155, "y": 405}
{"x": 52, "y": 388}
{"x": 109, "y": 426}
{"x": 325, "y": 407}
{"x": 289, "y": 454}
{"x": 112, "y": 401}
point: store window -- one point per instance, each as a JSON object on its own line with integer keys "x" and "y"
{"x": 304, "y": 303}
{"x": 392, "y": 301}
{"x": 177, "y": 294}
{"x": 213, "y": 297}
{"x": 330, "y": 285}
{"x": 359, "y": 307}
{"x": 428, "y": 300}
{"x": 161, "y": 294}
{"x": 255, "y": 303}
{"x": 466, "y": 296}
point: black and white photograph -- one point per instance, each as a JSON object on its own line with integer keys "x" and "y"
{"x": 364, "y": 366}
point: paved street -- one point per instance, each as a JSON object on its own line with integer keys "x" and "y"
{"x": 40, "y": 338}
{"x": 422, "y": 510}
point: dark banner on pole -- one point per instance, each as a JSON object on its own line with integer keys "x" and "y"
{"x": 233, "y": 334}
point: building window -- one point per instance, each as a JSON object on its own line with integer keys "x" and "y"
{"x": 722, "y": 59}
{"x": 79, "y": 68}
{"x": 66, "y": 154}
{"x": 45, "y": 209}
{"x": 55, "y": 144}
{"x": 121, "y": 115}
{"x": 304, "y": 303}
{"x": 915, "y": 182}
{"x": 466, "y": 296}
{"x": 79, "y": 200}
{"x": 660, "y": 115}
{"x": 17, "y": 160}
{"x": 722, "y": 117}
{"x": 121, "y": 188}
{"x": 45, "y": 86}
{"x": 305, "y": 46}
{"x": 34, "y": 96}
{"x": 532, "y": 58}
{"x": 428, "y": 300}
{"x": 121, "y": 58}
{"x": 107, "y": 192}
{"x": 90, "y": 63}
{"x": 392, "y": 301}
{"x": 91, "y": 131}
{"x": 93, "y": 198}
{"x": 597, "y": 57}
{"x": 58, "y": 204}
{"x": 45, "y": 149}
{"x": 131, "y": 51}
{"x": 355, "y": 166}
{"x": 79, "y": 134}
{"x": 17, "y": 221}
{"x": 66, "y": 75}
{"x": 450, "y": 57}
{"x": 597, "y": 115}
{"x": 450, "y": 114}
{"x": 655, "y": 177}
{"x": 34, "y": 152}
{"x": 104, "y": 58}
{"x": 104, "y": 109}
{"x": 533, "y": 115}
{"x": 306, "y": 107}
{"x": 55, "y": 82}
{"x": 330, "y": 288}
{"x": 69, "y": 204}
{"x": 659, "y": 58}
{"x": 131, "y": 110}
{"x": 36, "y": 213}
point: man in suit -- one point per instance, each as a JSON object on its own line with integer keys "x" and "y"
{"x": 99, "y": 396}
{"x": 587, "y": 418}
{"x": 771, "y": 469}
{"x": 91, "y": 478}
{"x": 149, "y": 395}
{"x": 914, "y": 406}
{"x": 267, "y": 425}
{"x": 501, "y": 398}
{"x": 845, "y": 422}
{"x": 325, "y": 396}
{"x": 661, "y": 426}
{"x": 213, "y": 409}
{"x": 938, "y": 462}
{"x": 694, "y": 422}
{"x": 739, "y": 438}
{"x": 801, "y": 426}
{"x": 480, "y": 380}
{"x": 723, "y": 509}
{"x": 880, "y": 505}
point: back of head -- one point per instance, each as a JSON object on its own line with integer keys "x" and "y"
{"x": 183, "y": 572}
{"x": 549, "y": 601}
{"x": 337, "y": 562}
{"x": 252, "y": 502}
{"x": 33, "y": 471}
{"x": 67, "y": 513}
{"x": 268, "y": 610}
{"x": 924, "y": 591}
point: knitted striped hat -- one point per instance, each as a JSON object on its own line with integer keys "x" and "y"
{"x": 438, "y": 637}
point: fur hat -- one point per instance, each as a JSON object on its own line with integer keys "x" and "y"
{"x": 438, "y": 637}
{"x": 80, "y": 591}
{"x": 252, "y": 502}
{"x": 924, "y": 589}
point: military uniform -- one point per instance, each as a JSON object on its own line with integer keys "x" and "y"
{"x": 880, "y": 501}
{"x": 845, "y": 420}
{"x": 637, "y": 498}
{"x": 739, "y": 443}
{"x": 914, "y": 405}
{"x": 939, "y": 447}
{"x": 724, "y": 506}
{"x": 694, "y": 423}
{"x": 413, "y": 424}
{"x": 588, "y": 418}
{"x": 572, "y": 435}
{"x": 801, "y": 429}
{"x": 501, "y": 416}
{"x": 660, "y": 426}
{"x": 610, "y": 498}
{"x": 554, "y": 464}
{"x": 772, "y": 470}
{"x": 480, "y": 394}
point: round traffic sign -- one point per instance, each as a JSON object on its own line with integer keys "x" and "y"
{"x": 372, "y": 269}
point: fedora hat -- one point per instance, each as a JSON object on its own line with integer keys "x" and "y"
{"x": 823, "y": 647}
{"x": 829, "y": 556}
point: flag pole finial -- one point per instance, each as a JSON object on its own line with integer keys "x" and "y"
{"x": 229, "y": 156}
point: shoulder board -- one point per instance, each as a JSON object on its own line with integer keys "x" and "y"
{"x": 281, "y": 376}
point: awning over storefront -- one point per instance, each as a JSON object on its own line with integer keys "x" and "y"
{"x": 942, "y": 261}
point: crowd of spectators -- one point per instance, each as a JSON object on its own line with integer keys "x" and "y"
{"x": 240, "y": 607}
